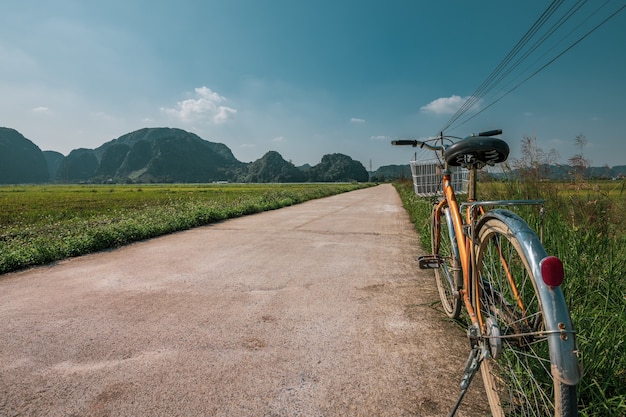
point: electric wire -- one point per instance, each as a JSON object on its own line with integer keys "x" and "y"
{"x": 539, "y": 59}
{"x": 543, "y": 67}
{"x": 558, "y": 24}
{"x": 540, "y": 42}
{"x": 501, "y": 71}
{"x": 483, "y": 89}
{"x": 475, "y": 97}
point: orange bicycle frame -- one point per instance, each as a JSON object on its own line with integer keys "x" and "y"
{"x": 464, "y": 244}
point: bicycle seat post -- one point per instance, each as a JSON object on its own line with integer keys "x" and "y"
{"x": 471, "y": 192}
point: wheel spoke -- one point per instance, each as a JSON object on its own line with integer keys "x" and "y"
{"x": 519, "y": 380}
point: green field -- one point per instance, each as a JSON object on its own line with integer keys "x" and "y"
{"x": 584, "y": 225}
{"x": 42, "y": 224}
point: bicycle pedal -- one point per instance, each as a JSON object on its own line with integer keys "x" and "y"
{"x": 429, "y": 262}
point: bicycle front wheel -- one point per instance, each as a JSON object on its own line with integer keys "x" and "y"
{"x": 517, "y": 376}
{"x": 447, "y": 276}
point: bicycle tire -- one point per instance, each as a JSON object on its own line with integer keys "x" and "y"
{"x": 517, "y": 375}
{"x": 444, "y": 246}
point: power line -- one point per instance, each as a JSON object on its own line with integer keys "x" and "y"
{"x": 545, "y": 65}
{"x": 503, "y": 70}
{"x": 562, "y": 40}
{"x": 540, "y": 42}
{"x": 475, "y": 97}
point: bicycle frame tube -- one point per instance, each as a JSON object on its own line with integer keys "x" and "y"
{"x": 461, "y": 239}
{"x": 470, "y": 219}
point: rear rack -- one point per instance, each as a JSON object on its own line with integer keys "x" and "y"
{"x": 493, "y": 203}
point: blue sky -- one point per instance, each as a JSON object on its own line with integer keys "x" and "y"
{"x": 307, "y": 78}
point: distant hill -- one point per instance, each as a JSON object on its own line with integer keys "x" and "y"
{"x": 54, "y": 160}
{"x": 272, "y": 168}
{"x": 338, "y": 167}
{"x": 164, "y": 155}
{"x": 159, "y": 155}
{"x": 391, "y": 173}
{"x": 552, "y": 172}
{"x": 79, "y": 166}
{"x": 21, "y": 161}
{"x": 567, "y": 172}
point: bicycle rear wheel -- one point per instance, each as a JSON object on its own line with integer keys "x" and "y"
{"x": 447, "y": 276}
{"x": 517, "y": 376}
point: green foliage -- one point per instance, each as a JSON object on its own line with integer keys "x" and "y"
{"x": 419, "y": 210}
{"x": 584, "y": 227}
{"x": 42, "y": 224}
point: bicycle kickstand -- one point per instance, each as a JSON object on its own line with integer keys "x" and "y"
{"x": 471, "y": 366}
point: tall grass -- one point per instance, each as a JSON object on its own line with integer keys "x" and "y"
{"x": 39, "y": 224}
{"x": 419, "y": 210}
{"x": 584, "y": 226}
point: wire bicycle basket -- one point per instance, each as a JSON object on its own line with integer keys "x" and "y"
{"x": 427, "y": 178}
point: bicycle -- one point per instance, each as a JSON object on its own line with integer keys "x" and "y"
{"x": 487, "y": 259}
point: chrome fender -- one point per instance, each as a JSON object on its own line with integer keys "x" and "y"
{"x": 559, "y": 327}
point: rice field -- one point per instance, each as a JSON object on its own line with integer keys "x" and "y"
{"x": 40, "y": 224}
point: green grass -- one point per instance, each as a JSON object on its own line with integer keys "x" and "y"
{"x": 42, "y": 224}
{"x": 585, "y": 227}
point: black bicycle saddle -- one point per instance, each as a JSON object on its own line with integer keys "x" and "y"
{"x": 477, "y": 149}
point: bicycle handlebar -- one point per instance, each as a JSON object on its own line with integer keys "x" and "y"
{"x": 491, "y": 133}
{"x": 415, "y": 143}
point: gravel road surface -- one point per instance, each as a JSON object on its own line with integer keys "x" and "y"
{"x": 312, "y": 310}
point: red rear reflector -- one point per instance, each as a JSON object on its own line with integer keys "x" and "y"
{"x": 552, "y": 271}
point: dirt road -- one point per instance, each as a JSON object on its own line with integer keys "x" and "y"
{"x": 312, "y": 310}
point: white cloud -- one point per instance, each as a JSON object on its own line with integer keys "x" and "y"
{"x": 444, "y": 105}
{"x": 41, "y": 109}
{"x": 224, "y": 114}
{"x": 381, "y": 137}
{"x": 279, "y": 139}
{"x": 356, "y": 120}
{"x": 206, "y": 106}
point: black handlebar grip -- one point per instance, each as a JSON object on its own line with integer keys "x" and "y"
{"x": 491, "y": 132}
{"x": 404, "y": 142}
